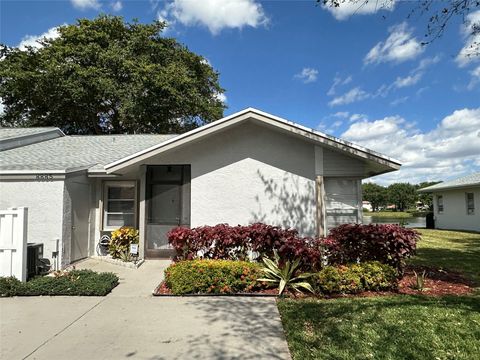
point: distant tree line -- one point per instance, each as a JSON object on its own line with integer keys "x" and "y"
{"x": 402, "y": 195}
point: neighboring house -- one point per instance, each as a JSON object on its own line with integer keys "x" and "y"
{"x": 367, "y": 205}
{"x": 247, "y": 167}
{"x": 456, "y": 203}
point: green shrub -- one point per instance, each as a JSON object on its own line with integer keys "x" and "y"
{"x": 212, "y": 276}
{"x": 75, "y": 282}
{"x": 9, "y": 286}
{"x": 377, "y": 276}
{"x": 353, "y": 278}
{"x": 338, "y": 279}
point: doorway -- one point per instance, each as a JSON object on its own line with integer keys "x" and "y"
{"x": 168, "y": 206}
{"x": 80, "y": 197}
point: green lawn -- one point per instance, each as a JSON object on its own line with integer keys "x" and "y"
{"x": 389, "y": 214}
{"x": 453, "y": 250}
{"x": 394, "y": 327}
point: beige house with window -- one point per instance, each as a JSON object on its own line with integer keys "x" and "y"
{"x": 456, "y": 203}
{"x": 247, "y": 167}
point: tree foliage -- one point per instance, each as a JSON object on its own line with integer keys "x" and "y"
{"x": 108, "y": 76}
{"x": 375, "y": 194}
{"x": 402, "y": 195}
{"x": 439, "y": 14}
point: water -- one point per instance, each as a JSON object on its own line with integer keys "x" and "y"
{"x": 412, "y": 222}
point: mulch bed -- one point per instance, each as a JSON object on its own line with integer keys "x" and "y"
{"x": 438, "y": 282}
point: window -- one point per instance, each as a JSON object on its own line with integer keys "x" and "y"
{"x": 470, "y": 203}
{"x": 439, "y": 204}
{"x": 119, "y": 204}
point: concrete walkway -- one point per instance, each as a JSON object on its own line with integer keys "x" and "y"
{"x": 130, "y": 323}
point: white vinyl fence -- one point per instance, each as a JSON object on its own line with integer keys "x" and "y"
{"x": 13, "y": 242}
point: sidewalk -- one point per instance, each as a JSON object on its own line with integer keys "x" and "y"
{"x": 130, "y": 323}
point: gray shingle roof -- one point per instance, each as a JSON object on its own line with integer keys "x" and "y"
{"x": 469, "y": 180}
{"x": 72, "y": 152}
{"x": 9, "y": 133}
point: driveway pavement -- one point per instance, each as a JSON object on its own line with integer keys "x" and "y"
{"x": 131, "y": 323}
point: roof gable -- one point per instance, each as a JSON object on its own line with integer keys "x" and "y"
{"x": 264, "y": 118}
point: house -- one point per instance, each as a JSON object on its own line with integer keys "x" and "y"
{"x": 456, "y": 203}
{"x": 366, "y": 205}
{"x": 247, "y": 167}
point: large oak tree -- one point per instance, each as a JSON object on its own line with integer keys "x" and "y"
{"x": 108, "y": 76}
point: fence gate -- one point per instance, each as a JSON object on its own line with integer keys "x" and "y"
{"x": 13, "y": 243}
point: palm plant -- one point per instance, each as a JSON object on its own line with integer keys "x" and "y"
{"x": 284, "y": 275}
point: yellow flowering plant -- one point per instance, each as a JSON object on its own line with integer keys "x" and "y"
{"x": 119, "y": 247}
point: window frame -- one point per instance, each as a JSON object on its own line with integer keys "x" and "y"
{"x": 105, "y": 200}
{"x": 440, "y": 211}
{"x": 472, "y": 212}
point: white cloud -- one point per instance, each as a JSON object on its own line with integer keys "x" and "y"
{"x": 356, "y": 117}
{"x": 475, "y": 78}
{"x": 216, "y": 15}
{"x": 358, "y": 7}
{"x": 355, "y": 94}
{"x": 329, "y": 128}
{"x": 307, "y": 75}
{"x": 409, "y": 80}
{"x": 469, "y": 52}
{"x": 86, "y": 4}
{"x": 400, "y": 46}
{"x": 338, "y": 81}
{"x": 450, "y": 149}
{"x": 341, "y": 114}
{"x": 399, "y": 100}
{"x": 116, "y": 5}
{"x": 32, "y": 40}
{"x": 222, "y": 97}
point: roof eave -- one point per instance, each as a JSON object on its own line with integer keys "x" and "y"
{"x": 245, "y": 115}
{"x": 453, "y": 187}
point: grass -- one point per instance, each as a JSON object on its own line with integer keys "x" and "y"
{"x": 452, "y": 250}
{"x": 400, "y": 327}
{"x": 389, "y": 214}
{"x": 395, "y": 327}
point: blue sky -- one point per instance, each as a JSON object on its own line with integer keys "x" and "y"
{"x": 358, "y": 75}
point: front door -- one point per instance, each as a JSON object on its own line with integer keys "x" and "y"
{"x": 168, "y": 206}
{"x": 80, "y": 196}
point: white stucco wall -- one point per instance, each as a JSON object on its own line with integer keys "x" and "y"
{"x": 248, "y": 174}
{"x": 454, "y": 214}
{"x": 44, "y": 201}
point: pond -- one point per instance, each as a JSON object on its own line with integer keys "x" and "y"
{"x": 412, "y": 222}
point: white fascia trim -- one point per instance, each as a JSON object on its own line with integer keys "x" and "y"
{"x": 43, "y": 171}
{"x": 448, "y": 187}
{"x": 244, "y": 115}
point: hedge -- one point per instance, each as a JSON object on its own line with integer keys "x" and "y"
{"x": 353, "y": 278}
{"x": 212, "y": 276}
{"x": 243, "y": 242}
{"x": 350, "y": 243}
{"x": 72, "y": 283}
{"x": 386, "y": 243}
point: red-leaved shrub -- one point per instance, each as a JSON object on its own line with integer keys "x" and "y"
{"x": 387, "y": 243}
{"x": 241, "y": 242}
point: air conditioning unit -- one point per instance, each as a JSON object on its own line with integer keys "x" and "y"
{"x": 36, "y": 263}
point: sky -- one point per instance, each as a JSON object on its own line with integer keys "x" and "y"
{"x": 360, "y": 74}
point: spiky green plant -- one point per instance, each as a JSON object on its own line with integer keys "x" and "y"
{"x": 420, "y": 281}
{"x": 284, "y": 275}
